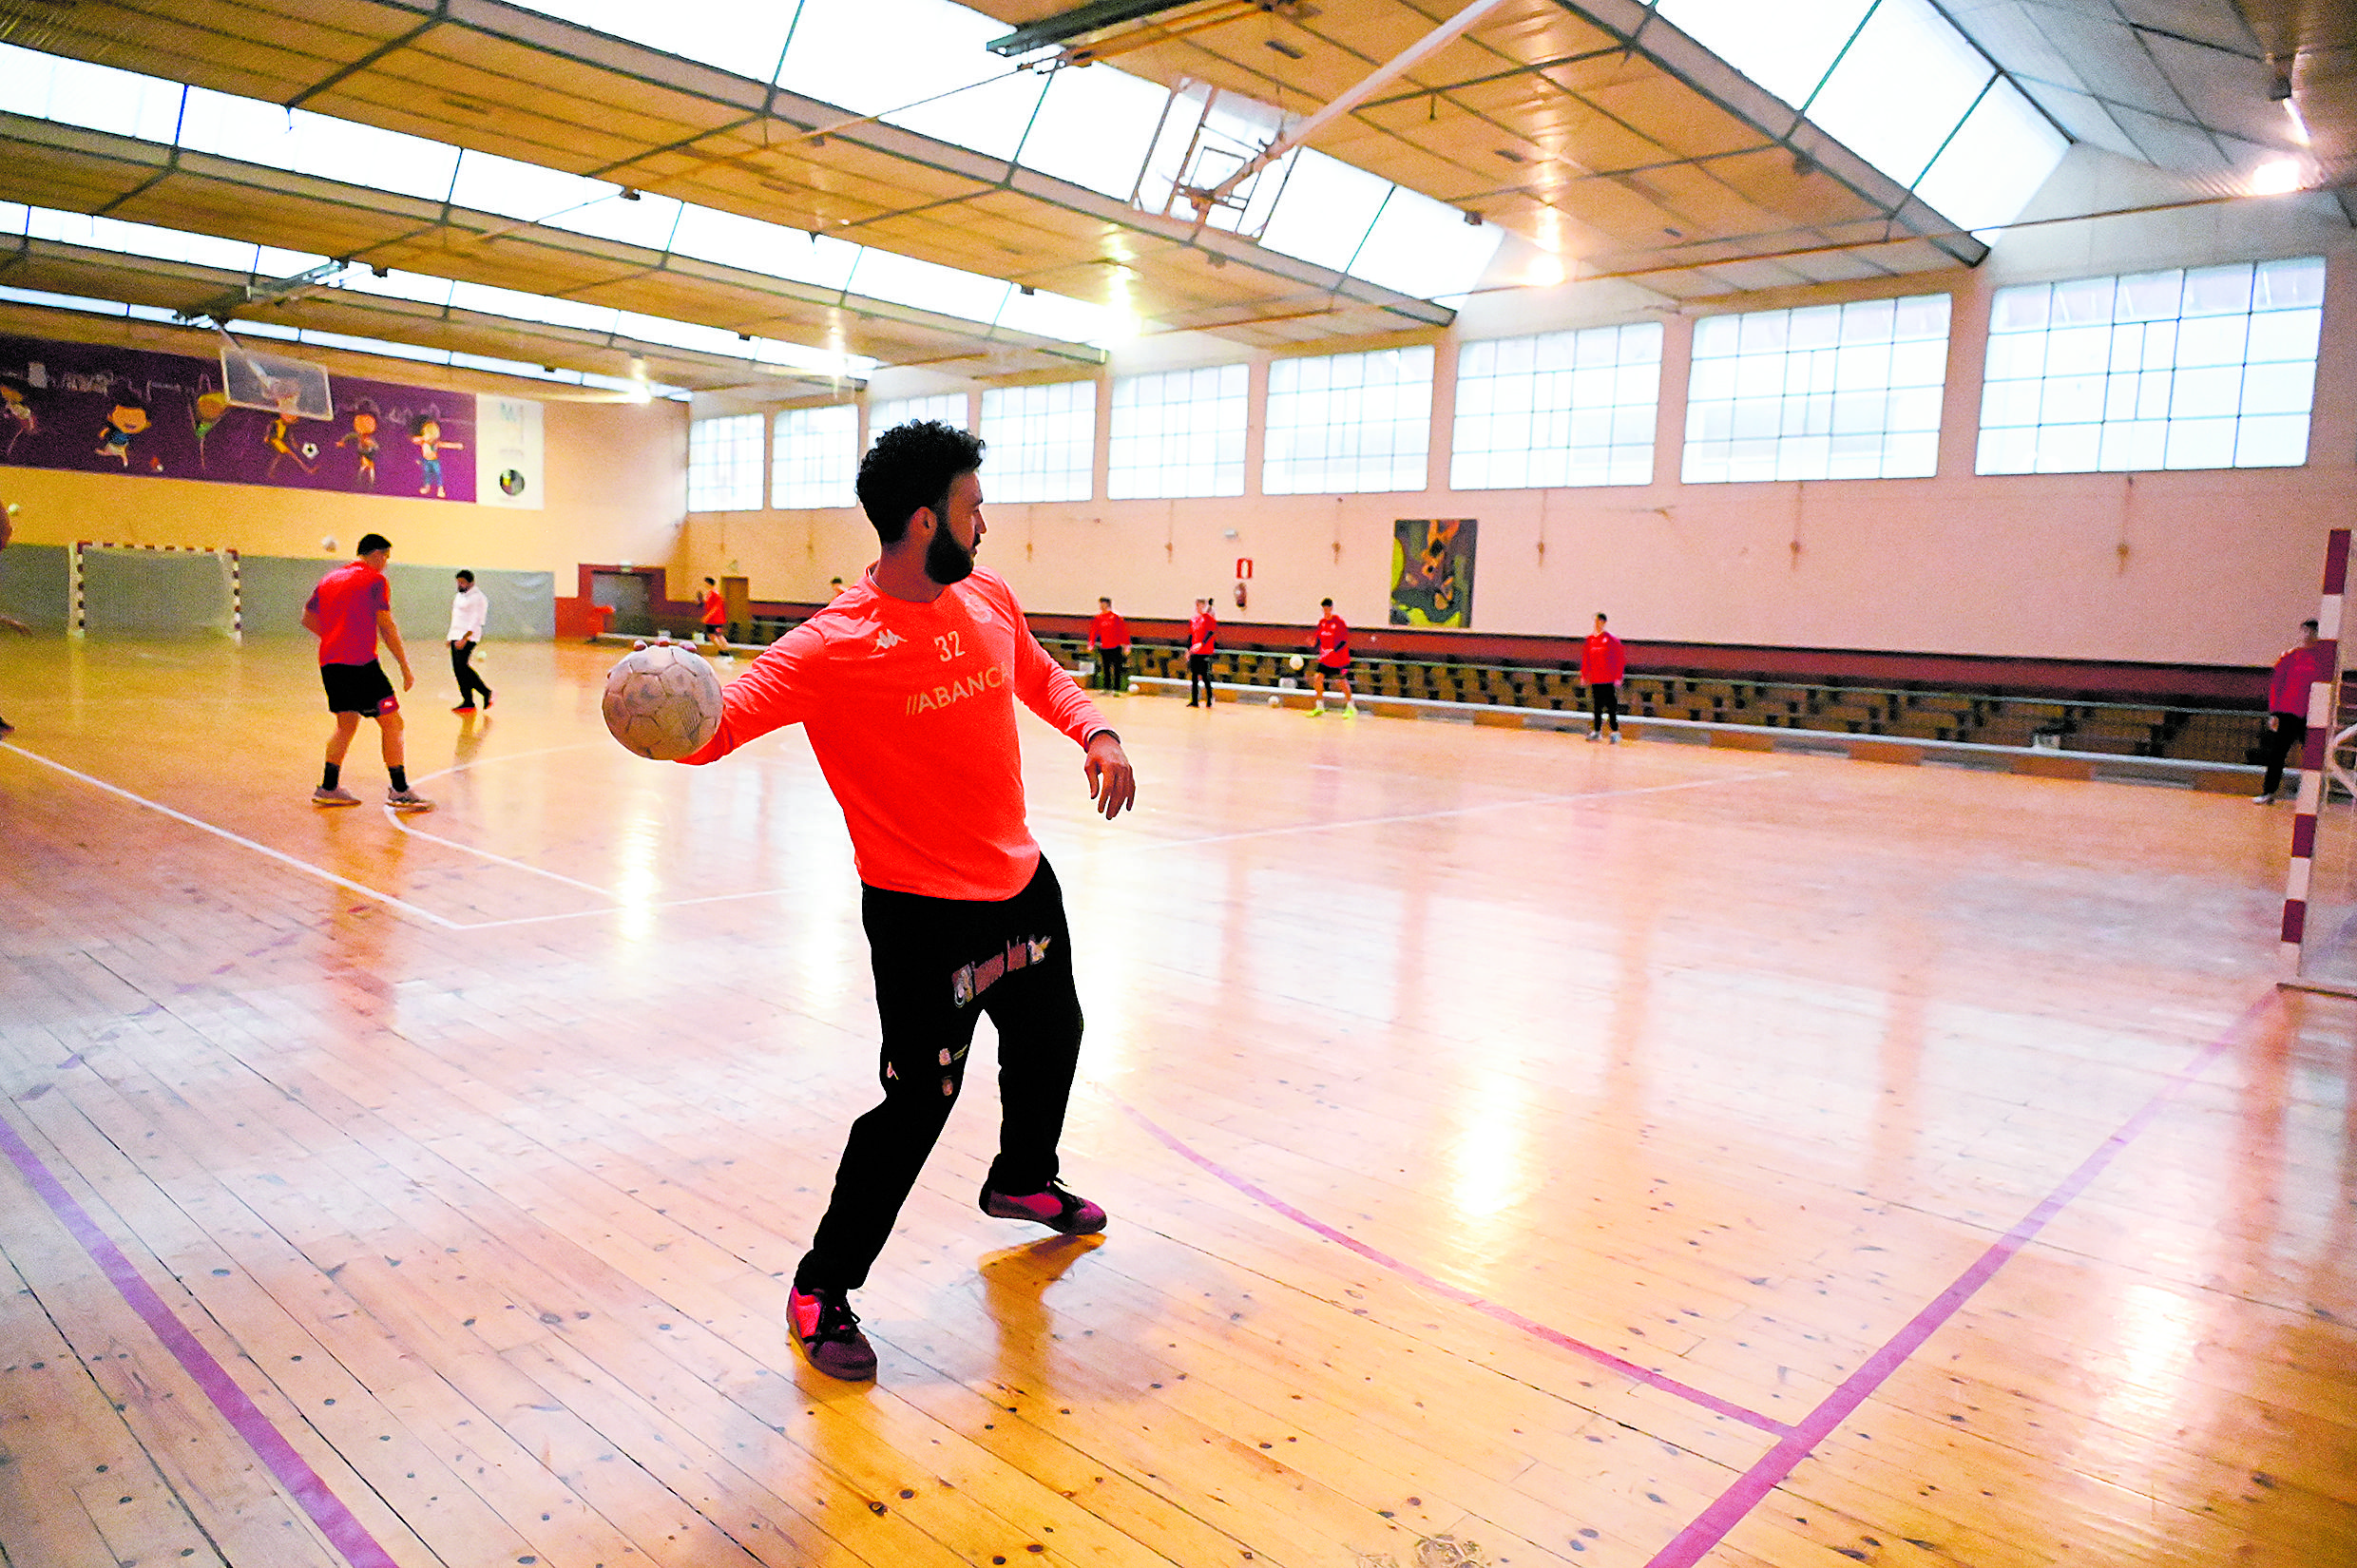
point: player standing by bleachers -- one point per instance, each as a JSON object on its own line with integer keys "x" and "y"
{"x": 1109, "y": 639}
{"x": 1333, "y": 660}
{"x": 1203, "y": 638}
{"x": 1602, "y": 662}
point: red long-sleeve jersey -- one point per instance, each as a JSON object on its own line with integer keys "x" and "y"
{"x": 910, "y": 710}
{"x": 1602, "y": 662}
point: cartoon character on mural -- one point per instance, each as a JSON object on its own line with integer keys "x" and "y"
{"x": 125, "y": 420}
{"x": 426, "y": 434}
{"x": 22, "y": 420}
{"x": 281, "y": 425}
{"x": 361, "y": 438}
{"x": 204, "y": 412}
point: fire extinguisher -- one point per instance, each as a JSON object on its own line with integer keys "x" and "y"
{"x": 1243, "y": 571}
{"x": 1239, "y": 596}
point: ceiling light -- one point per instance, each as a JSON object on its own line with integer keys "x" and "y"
{"x": 1544, "y": 273}
{"x": 2275, "y": 177}
{"x": 1286, "y": 49}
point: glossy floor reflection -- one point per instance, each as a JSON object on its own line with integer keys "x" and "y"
{"x": 1637, "y": 1154}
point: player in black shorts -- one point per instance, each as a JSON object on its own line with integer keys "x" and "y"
{"x": 349, "y": 611}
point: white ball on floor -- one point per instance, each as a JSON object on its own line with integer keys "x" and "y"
{"x": 663, "y": 703}
{"x": 1276, "y": 702}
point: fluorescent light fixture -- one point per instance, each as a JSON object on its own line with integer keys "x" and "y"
{"x": 2276, "y": 176}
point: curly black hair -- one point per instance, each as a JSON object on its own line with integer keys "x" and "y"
{"x": 912, "y": 465}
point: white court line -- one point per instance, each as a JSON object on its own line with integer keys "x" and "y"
{"x": 401, "y": 905}
{"x": 1456, "y": 811}
{"x": 279, "y": 855}
{"x": 398, "y": 821}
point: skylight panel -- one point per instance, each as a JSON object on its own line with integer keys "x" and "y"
{"x": 904, "y": 280}
{"x": 1095, "y": 128}
{"x": 396, "y": 284}
{"x": 1326, "y": 211}
{"x": 75, "y": 92}
{"x": 532, "y": 307}
{"x": 202, "y": 250}
{"x": 642, "y": 219}
{"x": 1425, "y": 248}
{"x": 256, "y": 132}
{"x": 935, "y": 49}
{"x": 1785, "y": 48}
{"x": 682, "y": 334}
{"x": 269, "y": 262}
{"x": 770, "y": 249}
{"x": 1908, "y": 80}
{"x": 800, "y": 356}
{"x": 1039, "y": 314}
{"x": 488, "y": 183}
{"x": 1995, "y": 162}
{"x": 373, "y": 345}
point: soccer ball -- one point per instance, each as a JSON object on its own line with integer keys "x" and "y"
{"x": 1299, "y": 661}
{"x": 310, "y": 449}
{"x": 663, "y": 701}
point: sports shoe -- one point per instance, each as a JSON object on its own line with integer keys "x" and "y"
{"x": 464, "y": 708}
{"x": 407, "y": 800}
{"x": 827, "y": 1330}
{"x": 1063, "y": 1211}
{"x": 336, "y": 797}
{"x": 1319, "y": 711}
{"x": 2266, "y": 800}
{"x": 1616, "y": 737}
{"x": 1593, "y": 737}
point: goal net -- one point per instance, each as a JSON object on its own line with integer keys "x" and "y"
{"x": 155, "y": 591}
{"x": 2320, "y": 904}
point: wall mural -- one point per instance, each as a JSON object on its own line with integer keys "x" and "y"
{"x": 96, "y": 409}
{"x": 1432, "y": 571}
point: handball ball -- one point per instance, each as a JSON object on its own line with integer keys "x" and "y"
{"x": 663, "y": 703}
{"x": 1299, "y": 661}
{"x": 310, "y": 449}
{"x": 327, "y": 545}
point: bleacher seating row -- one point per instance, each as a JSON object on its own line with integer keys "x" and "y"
{"x": 2205, "y": 735}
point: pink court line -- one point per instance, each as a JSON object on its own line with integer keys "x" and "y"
{"x": 326, "y": 1510}
{"x": 1462, "y": 1297}
{"x": 1709, "y": 1528}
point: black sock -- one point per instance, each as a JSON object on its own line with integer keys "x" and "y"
{"x": 400, "y": 778}
{"x": 332, "y": 776}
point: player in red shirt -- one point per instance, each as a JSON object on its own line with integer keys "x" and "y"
{"x": 1109, "y": 636}
{"x": 350, "y": 609}
{"x": 1601, "y": 665}
{"x": 7, "y": 529}
{"x": 906, "y": 684}
{"x": 2296, "y": 668}
{"x": 1202, "y": 637}
{"x": 716, "y": 616}
{"x": 1333, "y": 658}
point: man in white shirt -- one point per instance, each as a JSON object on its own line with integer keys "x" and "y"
{"x": 468, "y": 611}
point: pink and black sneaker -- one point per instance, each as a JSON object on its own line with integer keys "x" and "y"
{"x": 823, "y": 1321}
{"x": 1059, "y": 1210}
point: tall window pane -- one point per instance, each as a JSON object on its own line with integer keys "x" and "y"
{"x": 942, "y": 408}
{"x": 1565, "y": 407}
{"x": 1043, "y": 442}
{"x": 1345, "y": 422}
{"x": 813, "y": 453}
{"x": 724, "y": 464}
{"x": 2207, "y": 368}
{"x": 1826, "y": 391}
{"x": 1179, "y": 433}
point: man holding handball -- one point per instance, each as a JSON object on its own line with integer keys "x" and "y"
{"x": 907, "y": 684}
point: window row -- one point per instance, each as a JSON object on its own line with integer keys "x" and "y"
{"x": 2207, "y": 368}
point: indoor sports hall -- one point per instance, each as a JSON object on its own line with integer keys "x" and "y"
{"x": 1745, "y": 993}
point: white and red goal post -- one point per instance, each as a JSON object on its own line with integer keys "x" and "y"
{"x": 78, "y": 578}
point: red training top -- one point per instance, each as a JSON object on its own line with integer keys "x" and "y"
{"x": 2295, "y": 672}
{"x": 1107, "y": 630}
{"x": 716, "y": 610}
{"x": 1601, "y": 660}
{"x": 1202, "y": 631}
{"x": 1333, "y": 643}
{"x": 346, "y": 603}
{"x": 910, "y": 710}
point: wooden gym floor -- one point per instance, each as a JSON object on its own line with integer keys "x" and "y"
{"x": 1520, "y": 1152}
